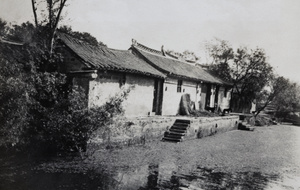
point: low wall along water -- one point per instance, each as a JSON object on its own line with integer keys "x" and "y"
{"x": 143, "y": 129}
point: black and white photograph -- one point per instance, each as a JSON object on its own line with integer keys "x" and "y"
{"x": 149, "y": 94}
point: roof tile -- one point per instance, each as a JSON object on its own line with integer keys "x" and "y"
{"x": 100, "y": 57}
{"x": 178, "y": 68}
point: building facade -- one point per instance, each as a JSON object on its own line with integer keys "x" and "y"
{"x": 158, "y": 81}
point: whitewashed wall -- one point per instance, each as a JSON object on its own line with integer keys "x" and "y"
{"x": 102, "y": 88}
{"x": 171, "y": 98}
{"x": 140, "y": 99}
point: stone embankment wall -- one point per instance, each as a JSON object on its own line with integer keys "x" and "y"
{"x": 140, "y": 130}
{"x": 202, "y": 127}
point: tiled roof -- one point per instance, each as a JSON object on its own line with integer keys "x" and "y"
{"x": 177, "y": 68}
{"x": 103, "y": 58}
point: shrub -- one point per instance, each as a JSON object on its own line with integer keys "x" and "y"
{"x": 69, "y": 125}
{"x": 40, "y": 111}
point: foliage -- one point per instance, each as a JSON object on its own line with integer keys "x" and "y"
{"x": 40, "y": 109}
{"x": 253, "y": 79}
{"x": 50, "y": 15}
{"x": 220, "y": 51}
{"x": 69, "y": 125}
{"x": 84, "y": 36}
{"x": 247, "y": 70}
{"x": 3, "y": 27}
{"x": 222, "y": 70}
{"x": 106, "y": 115}
{"x": 272, "y": 91}
{"x": 16, "y": 85}
{"x": 287, "y": 100}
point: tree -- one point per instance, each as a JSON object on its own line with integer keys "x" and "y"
{"x": 250, "y": 73}
{"x": 53, "y": 9}
{"x": 3, "y": 28}
{"x": 15, "y": 90}
{"x": 287, "y": 100}
{"x": 21, "y": 33}
{"x": 39, "y": 109}
{"x": 273, "y": 90}
{"x": 24, "y": 88}
{"x": 221, "y": 54}
{"x": 220, "y": 51}
{"x": 247, "y": 70}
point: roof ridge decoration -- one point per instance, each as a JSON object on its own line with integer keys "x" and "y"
{"x": 181, "y": 57}
{"x": 145, "y": 48}
{"x": 164, "y": 53}
{"x": 178, "y": 68}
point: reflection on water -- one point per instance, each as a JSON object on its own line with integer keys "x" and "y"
{"x": 201, "y": 178}
{"x": 164, "y": 175}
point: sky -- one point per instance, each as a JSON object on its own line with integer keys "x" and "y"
{"x": 180, "y": 25}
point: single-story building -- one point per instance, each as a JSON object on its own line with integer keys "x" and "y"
{"x": 159, "y": 80}
{"x": 184, "y": 77}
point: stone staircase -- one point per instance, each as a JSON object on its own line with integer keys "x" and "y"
{"x": 243, "y": 125}
{"x": 178, "y": 131}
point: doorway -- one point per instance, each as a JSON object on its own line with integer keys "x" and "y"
{"x": 157, "y": 97}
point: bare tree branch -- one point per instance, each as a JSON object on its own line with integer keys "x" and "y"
{"x": 50, "y": 7}
{"x": 34, "y": 12}
{"x": 61, "y": 6}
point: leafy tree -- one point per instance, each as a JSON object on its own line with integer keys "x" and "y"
{"x": 221, "y": 54}
{"x": 3, "y": 28}
{"x": 21, "y": 33}
{"x": 39, "y": 107}
{"x": 271, "y": 92}
{"x": 288, "y": 99}
{"x": 251, "y": 73}
{"x": 220, "y": 51}
{"x": 247, "y": 70}
{"x": 15, "y": 91}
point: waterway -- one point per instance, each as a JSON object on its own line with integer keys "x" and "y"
{"x": 267, "y": 158}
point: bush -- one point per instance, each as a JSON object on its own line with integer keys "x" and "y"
{"x": 69, "y": 125}
{"x": 40, "y": 111}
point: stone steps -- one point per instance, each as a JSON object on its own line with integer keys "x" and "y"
{"x": 174, "y": 133}
{"x": 177, "y": 131}
{"x": 181, "y": 126}
{"x": 243, "y": 125}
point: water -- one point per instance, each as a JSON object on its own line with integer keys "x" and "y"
{"x": 267, "y": 158}
{"x": 152, "y": 176}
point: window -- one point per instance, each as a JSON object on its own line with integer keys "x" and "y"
{"x": 225, "y": 93}
{"x": 179, "y": 85}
